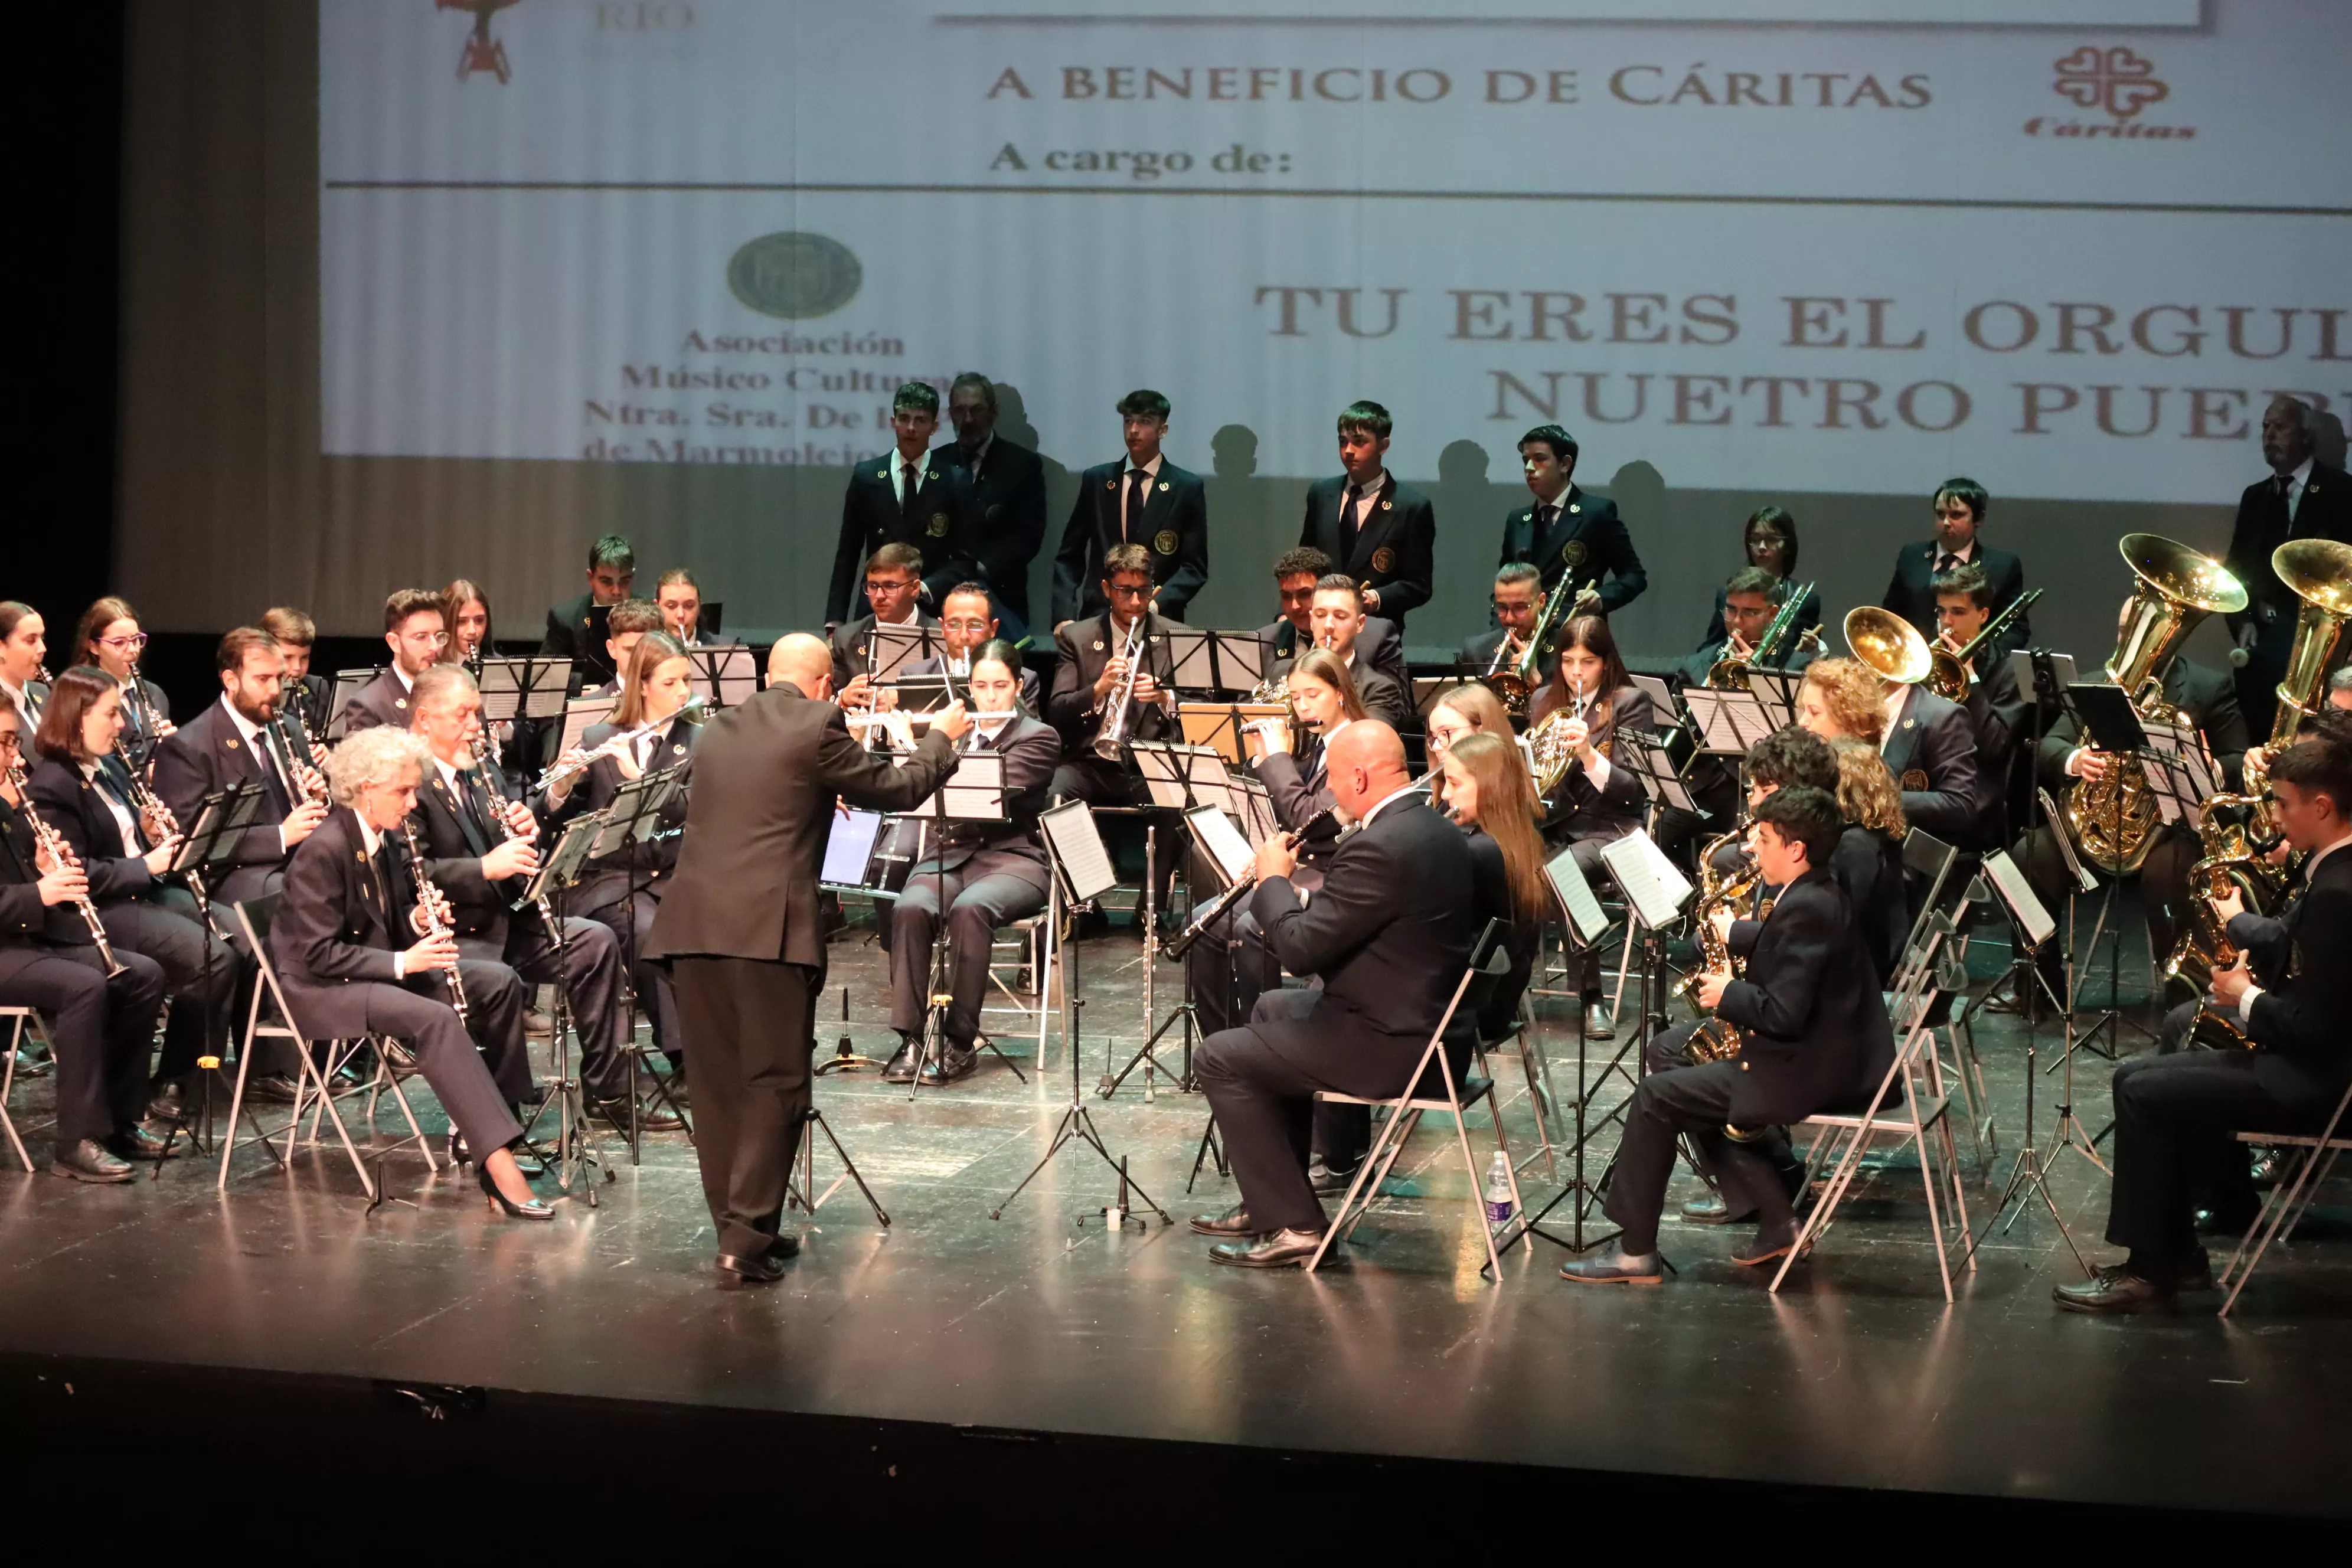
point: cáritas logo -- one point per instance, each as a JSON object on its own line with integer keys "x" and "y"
{"x": 2115, "y": 81}
{"x": 484, "y": 50}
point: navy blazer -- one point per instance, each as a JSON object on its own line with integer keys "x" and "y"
{"x": 1809, "y": 618}
{"x": 1030, "y": 751}
{"x": 2323, "y": 511}
{"x": 1008, "y": 503}
{"x": 1376, "y": 644}
{"x": 1174, "y": 531}
{"x": 2304, "y": 1051}
{"x": 1586, "y": 543}
{"x": 1577, "y": 809}
{"x": 567, "y": 637}
{"x": 939, "y": 525}
{"x": 71, "y": 803}
{"x": 23, "y": 919}
{"x": 382, "y": 701}
{"x": 1394, "y": 551}
{"x": 1911, "y": 591}
{"x": 207, "y": 754}
{"x": 1082, "y": 648}
{"x": 1815, "y": 1031}
{"x": 1931, "y": 750}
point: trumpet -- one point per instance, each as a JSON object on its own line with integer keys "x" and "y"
{"x": 614, "y": 745}
{"x": 1110, "y": 743}
{"x": 48, "y": 841}
{"x": 432, "y": 917}
{"x": 1948, "y": 675}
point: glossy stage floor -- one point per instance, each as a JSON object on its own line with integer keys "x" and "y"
{"x": 1034, "y": 1364}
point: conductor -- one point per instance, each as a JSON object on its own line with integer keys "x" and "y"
{"x": 742, "y": 931}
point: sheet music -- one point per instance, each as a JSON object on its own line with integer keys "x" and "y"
{"x": 527, "y": 687}
{"x": 1191, "y": 661}
{"x": 348, "y": 685}
{"x": 892, "y": 648}
{"x": 582, "y": 714}
{"x": 1204, "y": 772}
{"x": 723, "y": 677}
{"x": 1776, "y": 690}
{"x": 1162, "y": 773}
{"x": 1663, "y": 702}
{"x": 1242, "y": 659}
{"x": 1728, "y": 722}
{"x": 1650, "y": 884}
{"x": 1254, "y": 806}
{"x": 1218, "y": 726}
{"x": 2018, "y": 893}
{"x": 1655, "y": 766}
{"x": 2180, "y": 770}
{"x": 1078, "y": 850}
{"x": 635, "y": 814}
{"x": 2075, "y": 867}
{"x": 1584, "y": 911}
{"x": 1221, "y": 841}
{"x": 849, "y": 848}
{"x": 974, "y": 792}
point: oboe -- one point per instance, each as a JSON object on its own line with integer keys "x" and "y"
{"x": 52, "y": 842}
{"x": 428, "y": 919}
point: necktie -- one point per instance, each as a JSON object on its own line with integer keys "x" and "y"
{"x": 906, "y": 489}
{"x": 1946, "y": 562}
{"x": 1131, "y": 523}
{"x": 471, "y": 799}
{"x": 1348, "y": 523}
{"x": 274, "y": 774}
{"x": 1544, "y": 514}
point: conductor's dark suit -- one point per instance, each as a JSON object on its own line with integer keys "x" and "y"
{"x": 2323, "y": 510}
{"x": 207, "y": 754}
{"x": 1390, "y": 933}
{"x": 742, "y": 928}
{"x": 1008, "y": 505}
{"x": 1173, "y": 529}
{"x": 935, "y": 519}
{"x": 1911, "y": 591}
{"x": 1388, "y": 542}
{"x": 1580, "y": 541}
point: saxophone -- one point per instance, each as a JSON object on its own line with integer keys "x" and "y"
{"x": 1715, "y": 1039}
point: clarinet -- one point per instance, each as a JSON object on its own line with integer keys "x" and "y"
{"x": 480, "y": 746}
{"x": 427, "y": 918}
{"x": 161, "y": 824}
{"x": 53, "y": 843}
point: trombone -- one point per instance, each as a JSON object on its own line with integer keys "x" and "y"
{"x": 1948, "y": 679}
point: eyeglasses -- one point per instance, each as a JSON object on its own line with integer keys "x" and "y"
{"x": 965, "y": 625}
{"x": 1128, "y": 590}
{"x": 881, "y": 586}
{"x": 8, "y": 740}
{"x": 136, "y": 640}
{"x": 428, "y": 639}
{"x": 1512, "y": 603}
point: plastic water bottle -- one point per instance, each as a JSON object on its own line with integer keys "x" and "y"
{"x": 1498, "y": 1189}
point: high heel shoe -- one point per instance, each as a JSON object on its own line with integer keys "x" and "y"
{"x": 533, "y": 1209}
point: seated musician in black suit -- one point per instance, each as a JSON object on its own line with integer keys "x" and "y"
{"x": 1143, "y": 500}
{"x": 1007, "y": 484}
{"x": 1745, "y": 609}
{"x": 680, "y": 598}
{"x": 1091, "y": 675}
{"x": 81, "y": 789}
{"x": 415, "y": 632}
{"x": 1927, "y": 744}
{"x": 2288, "y": 994}
{"x": 623, "y": 891}
{"x": 1297, "y": 571}
{"x": 967, "y": 622}
{"x": 1382, "y": 533}
{"x": 1814, "y": 1036}
{"x": 1519, "y": 605}
{"x": 2302, "y": 498}
{"x": 1337, "y": 618}
{"x": 611, "y": 573}
{"x": 101, "y": 1027}
{"x": 353, "y": 960}
{"x": 110, "y": 639}
{"x": 1769, "y": 539}
{"x": 1960, "y": 507}
{"x": 984, "y": 874}
{"x": 24, "y": 644}
{"x": 2001, "y": 714}
{"x": 307, "y": 692}
{"x": 907, "y": 496}
{"x": 629, "y": 621}
{"x": 1390, "y": 933}
{"x": 894, "y": 588}
{"x": 1571, "y": 537}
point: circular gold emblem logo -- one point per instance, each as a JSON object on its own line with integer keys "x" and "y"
{"x": 1165, "y": 542}
{"x": 1384, "y": 559}
{"x": 938, "y": 527}
{"x": 795, "y": 275}
{"x": 1572, "y": 552}
{"x": 1914, "y": 780}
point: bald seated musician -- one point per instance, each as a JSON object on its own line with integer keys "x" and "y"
{"x": 742, "y": 934}
{"x": 1389, "y": 932}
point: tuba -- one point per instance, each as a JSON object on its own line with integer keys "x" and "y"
{"x": 2114, "y": 822}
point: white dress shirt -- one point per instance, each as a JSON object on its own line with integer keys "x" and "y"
{"x": 253, "y": 737}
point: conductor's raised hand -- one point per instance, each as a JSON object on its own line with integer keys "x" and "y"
{"x": 954, "y": 721}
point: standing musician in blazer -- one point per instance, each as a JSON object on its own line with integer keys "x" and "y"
{"x": 415, "y": 632}
{"x": 1815, "y": 1037}
{"x": 1390, "y": 933}
{"x": 907, "y": 496}
{"x": 1297, "y": 571}
{"x": 612, "y": 575}
{"x": 1007, "y": 485}
{"x": 354, "y": 961}
{"x": 101, "y": 1028}
{"x": 480, "y": 850}
{"x": 1960, "y": 507}
{"x": 984, "y": 874}
{"x": 1571, "y": 537}
{"x": 741, "y": 929}
{"x": 1382, "y": 533}
{"x": 2302, "y": 498}
{"x": 2289, "y": 993}
{"x": 1143, "y": 500}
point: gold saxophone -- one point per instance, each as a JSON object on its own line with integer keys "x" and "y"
{"x": 1715, "y": 1039}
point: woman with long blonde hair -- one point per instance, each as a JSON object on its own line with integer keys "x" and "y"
{"x": 1467, "y": 709}
{"x": 1489, "y": 793}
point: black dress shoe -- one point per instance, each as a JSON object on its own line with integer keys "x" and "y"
{"x": 901, "y": 1067}
{"x": 1328, "y": 1183}
{"x": 89, "y": 1161}
{"x": 140, "y": 1144}
{"x": 1232, "y": 1222}
{"x": 765, "y": 1269}
{"x": 959, "y": 1061}
{"x": 1281, "y": 1250}
{"x": 1613, "y": 1267}
{"x": 650, "y": 1118}
{"x": 281, "y": 1087}
{"x": 164, "y": 1101}
{"x": 1769, "y": 1243}
{"x": 1710, "y": 1209}
{"x": 2112, "y": 1290}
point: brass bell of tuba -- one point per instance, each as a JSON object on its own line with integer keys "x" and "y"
{"x": 2114, "y": 821}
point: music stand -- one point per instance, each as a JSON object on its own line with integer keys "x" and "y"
{"x": 635, "y": 816}
{"x": 208, "y": 847}
{"x": 1648, "y": 759}
{"x": 853, "y": 840}
{"x": 2110, "y": 724}
{"x": 1218, "y": 725}
{"x": 1729, "y": 723}
{"x": 580, "y": 715}
{"x": 1428, "y": 690}
{"x": 1777, "y": 690}
{"x": 1082, "y": 871}
{"x": 1187, "y": 780}
{"x": 577, "y": 1149}
{"x": 1200, "y": 659}
{"x": 889, "y": 649}
{"x": 723, "y": 676}
{"x": 349, "y": 683}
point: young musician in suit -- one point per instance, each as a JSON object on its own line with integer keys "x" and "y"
{"x": 2002, "y": 716}
{"x": 82, "y": 789}
{"x": 110, "y": 639}
{"x": 2303, "y": 498}
{"x": 1960, "y": 505}
{"x": 1814, "y": 1038}
{"x": 1337, "y": 618}
{"x": 1090, "y": 672}
{"x": 1007, "y": 484}
{"x": 1589, "y": 701}
{"x": 354, "y": 961}
{"x": 414, "y": 631}
{"x": 1571, "y": 537}
{"x": 894, "y": 588}
{"x": 1745, "y": 608}
{"x": 101, "y": 1027}
{"x": 1927, "y": 744}
{"x": 628, "y": 623}
{"x": 611, "y": 573}
{"x": 1390, "y": 933}
{"x": 1297, "y": 571}
{"x": 305, "y": 693}
{"x": 907, "y": 496}
{"x": 742, "y": 931}
{"x": 2289, "y": 993}
{"x": 984, "y": 874}
{"x": 1769, "y": 539}
{"x": 24, "y": 644}
{"x": 1518, "y": 604}
{"x": 1144, "y": 501}
{"x": 967, "y": 622}
{"x": 680, "y": 598}
{"x": 623, "y": 891}
{"x": 479, "y": 849}
{"x": 465, "y": 616}
{"x": 1382, "y": 533}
